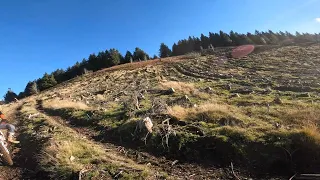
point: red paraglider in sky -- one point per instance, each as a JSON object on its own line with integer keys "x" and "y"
{"x": 242, "y": 51}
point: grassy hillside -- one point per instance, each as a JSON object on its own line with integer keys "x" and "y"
{"x": 259, "y": 113}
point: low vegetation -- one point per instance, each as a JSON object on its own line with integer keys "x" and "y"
{"x": 259, "y": 113}
{"x": 65, "y": 154}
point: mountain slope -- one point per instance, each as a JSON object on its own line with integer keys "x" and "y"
{"x": 258, "y": 113}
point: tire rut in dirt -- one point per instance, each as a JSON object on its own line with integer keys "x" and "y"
{"x": 172, "y": 167}
{"x": 26, "y": 157}
{"x": 18, "y": 168}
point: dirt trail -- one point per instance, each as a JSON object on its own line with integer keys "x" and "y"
{"x": 112, "y": 151}
{"x": 173, "y": 168}
{"x": 19, "y": 170}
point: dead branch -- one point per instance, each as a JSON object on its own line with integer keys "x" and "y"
{"x": 293, "y": 176}
{"x": 234, "y": 174}
{"x": 82, "y": 172}
{"x": 145, "y": 139}
{"x": 118, "y": 174}
{"x": 166, "y": 131}
{"x": 33, "y": 115}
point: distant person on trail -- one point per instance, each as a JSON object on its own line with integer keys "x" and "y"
{"x": 4, "y": 124}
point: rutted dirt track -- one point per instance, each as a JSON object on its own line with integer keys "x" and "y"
{"x": 19, "y": 170}
{"x": 173, "y": 169}
{"x": 25, "y": 166}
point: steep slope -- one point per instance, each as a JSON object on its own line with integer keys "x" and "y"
{"x": 258, "y": 113}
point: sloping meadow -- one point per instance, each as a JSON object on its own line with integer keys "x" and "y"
{"x": 260, "y": 112}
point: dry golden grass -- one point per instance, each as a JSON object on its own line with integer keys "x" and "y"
{"x": 189, "y": 113}
{"x": 301, "y": 116}
{"x": 59, "y": 104}
{"x": 186, "y": 88}
{"x": 178, "y": 112}
{"x": 312, "y": 131}
{"x": 63, "y": 150}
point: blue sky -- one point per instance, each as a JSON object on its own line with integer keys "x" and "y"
{"x": 38, "y": 36}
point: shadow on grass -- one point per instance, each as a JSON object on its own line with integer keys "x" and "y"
{"x": 29, "y": 145}
{"x": 279, "y": 154}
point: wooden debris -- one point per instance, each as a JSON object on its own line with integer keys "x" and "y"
{"x": 33, "y": 115}
{"x": 171, "y": 91}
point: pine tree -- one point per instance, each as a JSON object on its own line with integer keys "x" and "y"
{"x": 59, "y": 75}
{"x": 139, "y": 54}
{"x": 31, "y": 88}
{"x": 289, "y": 35}
{"x": 215, "y": 39}
{"x": 115, "y": 57}
{"x": 255, "y": 38}
{"x": 76, "y": 70}
{"x": 164, "y": 51}
{"x": 190, "y": 45}
{"x": 205, "y": 41}
{"x": 93, "y": 63}
{"x": 281, "y": 36}
{"x": 234, "y": 38}
{"x": 244, "y": 40}
{"x": 128, "y": 57}
{"x": 272, "y": 37}
{"x": 197, "y": 44}
{"x": 47, "y": 81}
{"x": 175, "y": 50}
{"x": 264, "y": 38}
{"x": 10, "y": 96}
{"x": 225, "y": 39}
{"x": 21, "y": 95}
{"x": 103, "y": 60}
{"x": 155, "y": 57}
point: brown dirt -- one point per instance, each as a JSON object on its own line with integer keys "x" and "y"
{"x": 20, "y": 170}
{"x": 173, "y": 168}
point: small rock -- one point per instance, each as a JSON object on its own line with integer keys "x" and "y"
{"x": 116, "y": 99}
{"x": 148, "y": 124}
{"x": 174, "y": 162}
{"x": 277, "y": 100}
{"x": 208, "y": 90}
{"x": 72, "y": 158}
{"x": 277, "y": 125}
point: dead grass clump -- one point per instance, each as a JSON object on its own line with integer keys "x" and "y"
{"x": 192, "y": 55}
{"x": 59, "y": 104}
{"x": 301, "y": 116}
{"x": 311, "y": 130}
{"x": 210, "y": 112}
{"x": 71, "y": 154}
{"x": 186, "y": 88}
{"x": 178, "y": 112}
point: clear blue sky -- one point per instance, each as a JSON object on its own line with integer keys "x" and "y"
{"x": 38, "y": 36}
